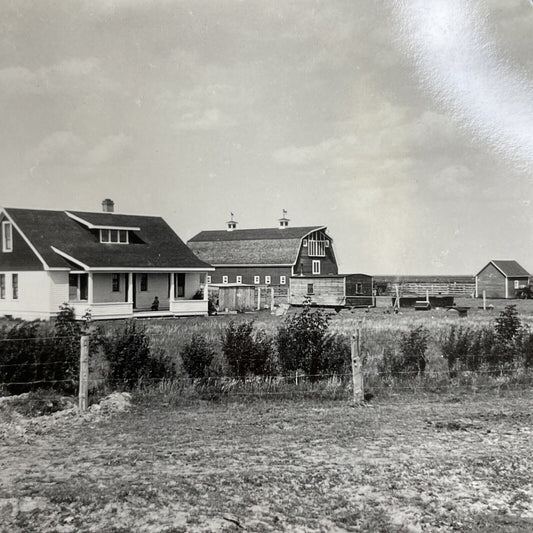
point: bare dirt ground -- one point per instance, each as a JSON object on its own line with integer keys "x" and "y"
{"x": 416, "y": 464}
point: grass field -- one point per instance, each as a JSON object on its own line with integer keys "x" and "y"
{"x": 414, "y": 464}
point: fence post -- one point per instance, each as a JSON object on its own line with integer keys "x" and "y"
{"x": 258, "y": 298}
{"x": 84, "y": 374}
{"x": 357, "y": 370}
{"x": 484, "y": 301}
{"x": 271, "y": 298}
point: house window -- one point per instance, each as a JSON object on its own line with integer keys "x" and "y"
{"x": 2, "y": 286}
{"x": 208, "y": 278}
{"x": 144, "y": 282}
{"x": 516, "y": 284}
{"x": 116, "y": 282}
{"x": 239, "y": 279}
{"x": 310, "y": 288}
{"x": 268, "y": 280}
{"x": 257, "y": 280}
{"x": 114, "y": 236}
{"x": 224, "y": 279}
{"x": 7, "y": 236}
{"x": 179, "y": 285}
{"x": 316, "y": 267}
{"x": 15, "y": 285}
{"x": 358, "y": 288}
{"x": 283, "y": 280}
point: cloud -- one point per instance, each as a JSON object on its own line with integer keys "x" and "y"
{"x": 67, "y": 76}
{"x": 64, "y": 148}
{"x": 201, "y": 120}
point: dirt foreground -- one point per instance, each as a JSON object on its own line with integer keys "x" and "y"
{"x": 432, "y": 464}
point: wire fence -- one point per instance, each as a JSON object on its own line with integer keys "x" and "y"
{"x": 293, "y": 384}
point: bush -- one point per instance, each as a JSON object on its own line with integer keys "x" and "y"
{"x": 131, "y": 360}
{"x": 337, "y": 355}
{"x": 34, "y": 356}
{"x": 412, "y": 356}
{"x": 508, "y": 326}
{"x": 247, "y": 351}
{"x": 467, "y": 349}
{"x": 197, "y": 356}
{"x": 302, "y": 342}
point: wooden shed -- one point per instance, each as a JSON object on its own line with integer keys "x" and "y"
{"x": 359, "y": 290}
{"x": 501, "y": 279}
{"x": 352, "y": 290}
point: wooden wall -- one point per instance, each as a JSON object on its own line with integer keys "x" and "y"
{"x": 492, "y": 281}
{"x": 326, "y": 290}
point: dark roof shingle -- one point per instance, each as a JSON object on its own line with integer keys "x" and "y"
{"x": 154, "y": 246}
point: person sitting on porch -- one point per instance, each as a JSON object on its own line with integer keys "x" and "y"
{"x": 155, "y": 304}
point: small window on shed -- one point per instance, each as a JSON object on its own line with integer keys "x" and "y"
{"x": 238, "y": 279}
{"x": 224, "y": 279}
{"x": 283, "y": 280}
{"x": 358, "y": 288}
{"x": 310, "y": 288}
{"x": 257, "y": 280}
{"x": 268, "y": 280}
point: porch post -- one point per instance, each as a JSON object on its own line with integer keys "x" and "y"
{"x": 172, "y": 288}
{"x": 90, "y": 289}
{"x": 206, "y": 288}
{"x": 130, "y": 287}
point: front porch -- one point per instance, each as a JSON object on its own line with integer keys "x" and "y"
{"x": 103, "y": 296}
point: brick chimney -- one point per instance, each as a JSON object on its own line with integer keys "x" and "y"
{"x": 283, "y": 221}
{"x": 108, "y": 206}
{"x": 232, "y": 224}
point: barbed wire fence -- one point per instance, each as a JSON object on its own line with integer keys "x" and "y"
{"x": 356, "y": 384}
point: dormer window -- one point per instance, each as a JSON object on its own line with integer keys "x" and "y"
{"x": 7, "y": 236}
{"x": 114, "y": 236}
{"x": 317, "y": 244}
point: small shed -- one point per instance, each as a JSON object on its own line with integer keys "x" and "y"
{"x": 352, "y": 290}
{"x": 359, "y": 290}
{"x": 236, "y": 297}
{"x": 501, "y": 279}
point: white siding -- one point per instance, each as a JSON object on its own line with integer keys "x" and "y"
{"x": 39, "y": 295}
{"x": 157, "y": 286}
{"x": 103, "y": 288}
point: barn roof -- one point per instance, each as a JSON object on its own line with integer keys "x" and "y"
{"x": 508, "y": 268}
{"x": 262, "y": 246}
{"x": 155, "y": 245}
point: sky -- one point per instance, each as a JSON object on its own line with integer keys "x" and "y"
{"x": 404, "y": 126}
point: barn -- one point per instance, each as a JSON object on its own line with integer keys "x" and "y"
{"x": 501, "y": 279}
{"x": 266, "y": 257}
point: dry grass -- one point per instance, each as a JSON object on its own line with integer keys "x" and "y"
{"x": 438, "y": 463}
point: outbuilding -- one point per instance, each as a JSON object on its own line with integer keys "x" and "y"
{"x": 501, "y": 279}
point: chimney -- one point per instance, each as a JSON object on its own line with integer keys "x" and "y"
{"x": 283, "y": 221}
{"x": 108, "y": 206}
{"x": 232, "y": 224}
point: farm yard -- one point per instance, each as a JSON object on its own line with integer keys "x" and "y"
{"x": 434, "y": 453}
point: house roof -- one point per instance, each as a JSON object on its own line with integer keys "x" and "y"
{"x": 56, "y": 237}
{"x": 262, "y": 246}
{"x": 510, "y": 269}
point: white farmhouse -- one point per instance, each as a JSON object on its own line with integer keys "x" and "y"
{"x": 110, "y": 265}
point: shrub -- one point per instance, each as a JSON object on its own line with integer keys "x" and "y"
{"x": 413, "y": 346}
{"x": 337, "y": 355}
{"x": 467, "y": 349}
{"x": 131, "y": 360}
{"x": 197, "y": 356}
{"x": 247, "y": 351}
{"x": 302, "y": 341}
{"x": 508, "y": 326}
